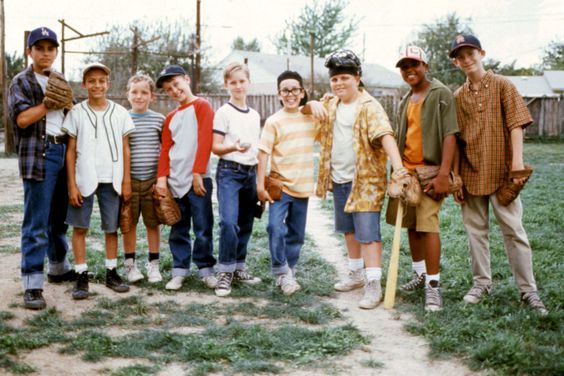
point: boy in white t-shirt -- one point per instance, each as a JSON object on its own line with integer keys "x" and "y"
{"x": 236, "y": 129}
{"x": 97, "y": 163}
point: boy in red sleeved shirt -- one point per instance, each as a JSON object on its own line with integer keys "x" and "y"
{"x": 184, "y": 168}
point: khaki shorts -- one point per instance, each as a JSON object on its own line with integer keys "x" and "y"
{"x": 142, "y": 202}
{"x": 421, "y": 218}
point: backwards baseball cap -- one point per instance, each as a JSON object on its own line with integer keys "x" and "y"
{"x": 92, "y": 66}
{"x": 170, "y": 71}
{"x": 463, "y": 40}
{"x": 343, "y": 62}
{"x": 413, "y": 53}
{"x": 41, "y": 33}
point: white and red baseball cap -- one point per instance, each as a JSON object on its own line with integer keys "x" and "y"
{"x": 413, "y": 53}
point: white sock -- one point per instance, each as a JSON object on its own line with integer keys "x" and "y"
{"x": 419, "y": 267}
{"x": 432, "y": 277}
{"x": 111, "y": 264}
{"x": 355, "y": 264}
{"x": 80, "y": 268}
{"x": 373, "y": 273}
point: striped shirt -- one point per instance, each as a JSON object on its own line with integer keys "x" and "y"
{"x": 486, "y": 115}
{"x": 145, "y": 144}
{"x": 288, "y": 139}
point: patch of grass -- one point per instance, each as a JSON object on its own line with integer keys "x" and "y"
{"x": 136, "y": 370}
{"x": 372, "y": 363}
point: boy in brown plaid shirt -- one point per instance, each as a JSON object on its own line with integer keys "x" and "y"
{"x": 491, "y": 116}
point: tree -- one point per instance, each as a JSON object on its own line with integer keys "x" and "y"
{"x": 553, "y": 58}
{"x": 331, "y": 29}
{"x": 509, "y": 69}
{"x": 240, "y": 44}
{"x": 436, "y": 39}
{"x": 14, "y": 64}
{"x": 157, "y": 46}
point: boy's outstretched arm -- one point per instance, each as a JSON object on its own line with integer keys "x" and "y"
{"x": 440, "y": 183}
{"x": 517, "y": 164}
{"x": 261, "y": 171}
{"x": 391, "y": 148}
{"x": 75, "y": 198}
{"x": 126, "y": 183}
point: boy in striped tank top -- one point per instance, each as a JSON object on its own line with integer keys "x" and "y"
{"x": 145, "y": 146}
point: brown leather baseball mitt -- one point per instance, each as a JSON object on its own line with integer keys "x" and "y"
{"x": 404, "y": 185}
{"x": 426, "y": 174}
{"x": 58, "y": 94}
{"x": 509, "y": 190}
{"x": 166, "y": 208}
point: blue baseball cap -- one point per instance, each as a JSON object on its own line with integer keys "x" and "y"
{"x": 41, "y": 33}
{"x": 170, "y": 71}
{"x": 463, "y": 40}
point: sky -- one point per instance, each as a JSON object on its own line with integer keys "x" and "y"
{"x": 509, "y": 30}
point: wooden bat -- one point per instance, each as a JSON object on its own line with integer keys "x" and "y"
{"x": 392, "y": 281}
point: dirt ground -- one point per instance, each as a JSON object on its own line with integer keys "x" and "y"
{"x": 400, "y": 352}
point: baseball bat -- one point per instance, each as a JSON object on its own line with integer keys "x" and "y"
{"x": 392, "y": 281}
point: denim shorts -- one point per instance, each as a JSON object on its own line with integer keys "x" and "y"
{"x": 108, "y": 202}
{"x": 364, "y": 225}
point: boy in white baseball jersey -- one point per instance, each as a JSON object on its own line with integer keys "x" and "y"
{"x": 97, "y": 163}
{"x": 145, "y": 145}
{"x": 236, "y": 130}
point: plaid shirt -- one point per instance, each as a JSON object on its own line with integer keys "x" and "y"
{"x": 369, "y": 182}
{"x": 486, "y": 115}
{"x": 25, "y": 93}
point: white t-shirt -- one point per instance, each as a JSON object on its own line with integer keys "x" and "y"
{"x": 54, "y": 118}
{"x": 342, "y": 153}
{"x": 237, "y": 124}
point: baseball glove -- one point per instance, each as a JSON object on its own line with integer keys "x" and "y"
{"x": 166, "y": 208}
{"x": 125, "y": 217}
{"x": 273, "y": 186}
{"x": 58, "y": 94}
{"x": 404, "y": 186}
{"x": 426, "y": 174}
{"x": 509, "y": 190}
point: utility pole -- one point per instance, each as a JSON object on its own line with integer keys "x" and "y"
{"x": 8, "y": 137}
{"x": 64, "y": 40}
{"x": 311, "y": 49}
{"x": 137, "y": 42}
{"x": 198, "y": 70}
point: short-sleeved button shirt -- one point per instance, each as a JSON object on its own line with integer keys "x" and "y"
{"x": 487, "y": 113}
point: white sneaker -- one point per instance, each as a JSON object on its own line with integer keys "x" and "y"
{"x": 210, "y": 281}
{"x": 153, "y": 273}
{"x": 287, "y": 283}
{"x": 353, "y": 280}
{"x": 372, "y": 295}
{"x": 133, "y": 274}
{"x": 175, "y": 283}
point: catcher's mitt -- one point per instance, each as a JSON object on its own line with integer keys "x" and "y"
{"x": 166, "y": 208}
{"x": 509, "y": 190}
{"x": 404, "y": 185}
{"x": 58, "y": 94}
{"x": 125, "y": 217}
{"x": 426, "y": 174}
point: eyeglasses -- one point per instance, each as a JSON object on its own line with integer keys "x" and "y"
{"x": 295, "y": 91}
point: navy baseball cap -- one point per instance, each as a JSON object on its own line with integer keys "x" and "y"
{"x": 41, "y": 33}
{"x": 464, "y": 40}
{"x": 170, "y": 71}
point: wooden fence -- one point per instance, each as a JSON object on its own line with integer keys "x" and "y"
{"x": 548, "y": 117}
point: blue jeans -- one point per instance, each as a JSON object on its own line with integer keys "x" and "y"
{"x": 108, "y": 202}
{"x": 237, "y": 196}
{"x": 196, "y": 210}
{"x": 43, "y": 228}
{"x": 286, "y": 231}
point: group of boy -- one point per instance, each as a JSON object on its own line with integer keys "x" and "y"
{"x": 100, "y": 148}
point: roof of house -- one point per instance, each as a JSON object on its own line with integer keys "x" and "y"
{"x": 265, "y": 68}
{"x": 532, "y": 86}
{"x": 555, "y": 79}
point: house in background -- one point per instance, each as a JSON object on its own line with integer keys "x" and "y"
{"x": 544, "y": 96}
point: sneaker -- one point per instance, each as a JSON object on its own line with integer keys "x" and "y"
{"x": 287, "y": 283}
{"x": 69, "y": 276}
{"x": 372, "y": 295}
{"x": 33, "y": 299}
{"x": 354, "y": 280}
{"x": 223, "y": 286}
{"x": 114, "y": 281}
{"x": 243, "y": 276}
{"x": 153, "y": 272}
{"x": 532, "y": 300}
{"x": 210, "y": 281}
{"x": 416, "y": 283}
{"x": 433, "y": 298}
{"x": 475, "y": 294}
{"x": 132, "y": 272}
{"x": 175, "y": 283}
{"x": 80, "y": 290}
